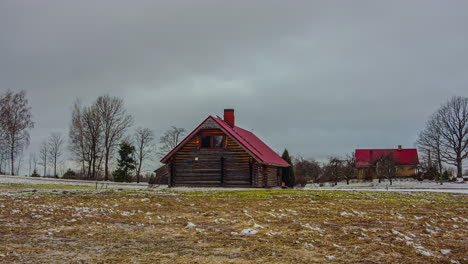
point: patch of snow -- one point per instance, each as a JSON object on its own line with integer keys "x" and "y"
{"x": 308, "y": 245}
{"x": 405, "y": 237}
{"x": 220, "y": 220}
{"x": 249, "y": 231}
{"x": 145, "y": 200}
{"x": 312, "y": 228}
{"x": 445, "y": 251}
{"x": 345, "y": 214}
{"x": 258, "y": 226}
{"x": 423, "y": 251}
{"x": 270, "y": 233}
{"x": 330, "y": 257}
{"x": 190, "y": 225}
{"x": 272, "y": 214}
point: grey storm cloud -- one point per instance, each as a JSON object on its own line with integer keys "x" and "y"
{"x": 317, "y": 77}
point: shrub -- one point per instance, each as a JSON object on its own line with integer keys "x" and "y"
{"x": 301, "y": 181}
{"x": 35, "y": 174}
{"x": 69, "y": 174}
{"x": 446, "y": 176}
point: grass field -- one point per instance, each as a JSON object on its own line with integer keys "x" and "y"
{"x": 253, "y": 226}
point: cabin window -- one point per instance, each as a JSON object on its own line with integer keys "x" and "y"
{"x": 206, "y": 141}
{"x": 217, "y": 141}
{"x": 211, "y": 141}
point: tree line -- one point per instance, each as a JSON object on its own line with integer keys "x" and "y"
{"x": 96, "y": 132}
{"x": 303, "y": 171}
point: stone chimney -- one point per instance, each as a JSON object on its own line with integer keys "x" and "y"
{"x": 229, "y": 117}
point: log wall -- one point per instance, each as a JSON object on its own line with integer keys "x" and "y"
{"x": 229, "y": 166}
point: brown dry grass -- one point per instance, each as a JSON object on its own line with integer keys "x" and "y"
{"x": 85, "y": 226}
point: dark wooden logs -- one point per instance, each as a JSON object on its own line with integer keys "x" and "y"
{"x": 229, "y": 166}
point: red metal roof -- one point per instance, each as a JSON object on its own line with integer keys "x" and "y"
{"x": 245, "y": 138}
{"x": 365, "y": 157}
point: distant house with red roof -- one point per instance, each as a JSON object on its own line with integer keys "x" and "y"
{"x": 219, "y": 153}
{"x": 406, "y": 161}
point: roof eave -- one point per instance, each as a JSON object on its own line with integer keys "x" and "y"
{"x": 274, "y": 164}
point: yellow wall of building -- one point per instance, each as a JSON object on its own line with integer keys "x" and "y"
{"x": 402, "y": 171}
{"x": 405, "y": 171}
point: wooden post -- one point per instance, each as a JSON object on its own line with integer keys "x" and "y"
{"x": 222, "y": 171}
{"x": 251, "y": 172}
{"x": 171, "y": 174}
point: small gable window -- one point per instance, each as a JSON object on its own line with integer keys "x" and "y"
{"x": 206, "y": 141}
{"x": 217, "y": 141}
{"x": 211, "y": 141}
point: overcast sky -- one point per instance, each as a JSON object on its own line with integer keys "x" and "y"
{"x": 318, "y": 77}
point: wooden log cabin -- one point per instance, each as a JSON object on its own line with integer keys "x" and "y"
{"x": 219, "y": 153}
{"x": 406, "y": 161}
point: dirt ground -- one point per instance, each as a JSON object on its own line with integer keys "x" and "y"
{"x": 43, "y": 224}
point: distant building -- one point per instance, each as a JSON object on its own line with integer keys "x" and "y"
{"x": 406, "y": 161}
{"x": 219, "y": 153}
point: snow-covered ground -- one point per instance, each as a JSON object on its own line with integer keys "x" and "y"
{"x": 397, "y": 185}
{"x": 51, "y": 181}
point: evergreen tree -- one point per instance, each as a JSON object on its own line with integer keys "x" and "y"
{"x": 70, "y": 174}
{"x": 35, "y": 174}
{"x": 126, "y": 163}
{"x": 288, "y": 172}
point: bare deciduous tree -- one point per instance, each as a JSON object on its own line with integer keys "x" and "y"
{"x": 307, "y": 169}
{"x": 334, "y": 169}
{"x": 19, "y": 162}
{"x": 170, "y": 139}
{"x": 430, "y": 144}
{"x": 451, "y": 123}
{"x": 144, "y": 139}
{"x": 15, "y": 123}
{"x": 76, "y": 140}
{"x": 3, "y": 153}
{"x": 349, "y": 167}
{"x": 115, "y": 122}
{"x": 43, "y": 156}
{"x": 32, "y": 162}
{"x": 93, "y": 136}
{"x": 55, "y": 149}
{"x": 385, "y": 167}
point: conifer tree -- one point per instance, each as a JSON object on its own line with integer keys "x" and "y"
{"x": 126, "y": 163}
{"x": 288, "y": 172}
